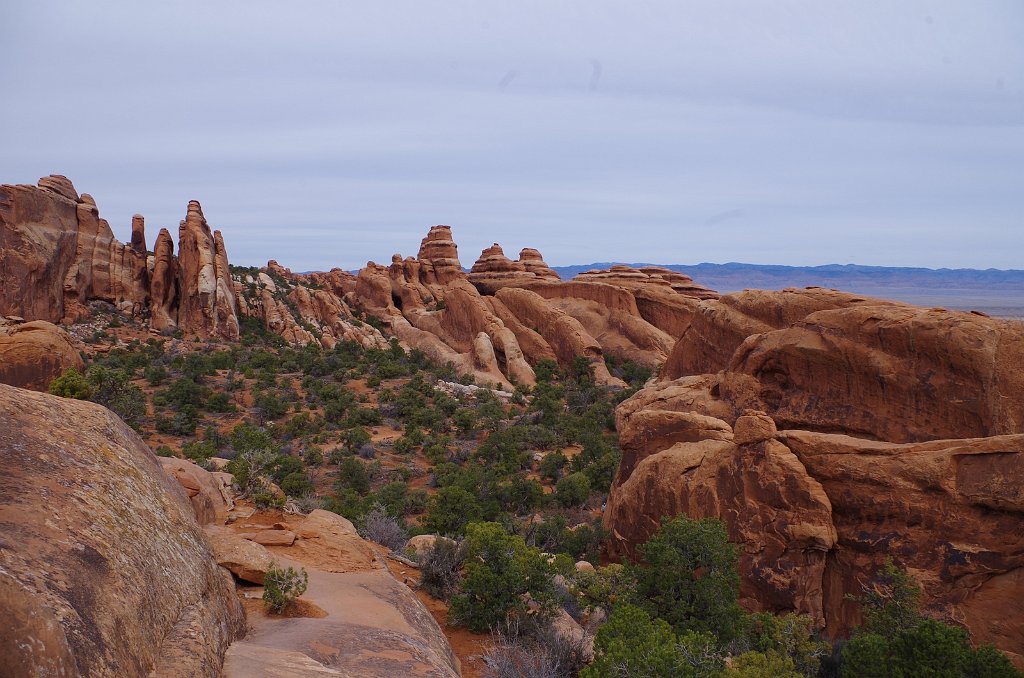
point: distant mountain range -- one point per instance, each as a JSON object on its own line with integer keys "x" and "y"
{"x": 993, "y": 291}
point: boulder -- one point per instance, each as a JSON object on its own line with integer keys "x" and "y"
{"x": 271, "y": 537}
{"x": 247, "y": 560}
{"x": 32, "y": 354}
{"x": 208, "y": 493}
{"x": 97, "y": 535}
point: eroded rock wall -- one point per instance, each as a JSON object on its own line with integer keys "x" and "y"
{"x": 58, "y": 255}
{"x": 902, "y": 435}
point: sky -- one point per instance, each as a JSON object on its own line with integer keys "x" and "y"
{"x": 326, "y": 134}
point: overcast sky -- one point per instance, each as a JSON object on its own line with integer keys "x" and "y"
{"x": 331, "y": 133}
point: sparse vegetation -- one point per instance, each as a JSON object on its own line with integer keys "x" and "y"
{"x": 516, "y": 483}
{"x": 283, "y": 586}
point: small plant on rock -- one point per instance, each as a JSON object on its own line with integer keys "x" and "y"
{"x": 283, "y": 586}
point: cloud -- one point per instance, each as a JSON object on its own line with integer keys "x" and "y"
{"x": 327, "y": 134}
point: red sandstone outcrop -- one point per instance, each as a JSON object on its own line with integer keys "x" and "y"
{"x": 502, "y": 318}
{"x": 493, "y": 270}
{"x": 163, "y": 284}
{"x": 718, "y": 326}
{"x": 207, "y": 305}
{"x": 58, "y": 255}
{"x": 533, "y": 262}
{"x": 439, "y": 257}
{"x": 303, "y": 308}
{"x": 104, "y": 571}
{"x": 648, "y": 277}
{"x": 816, "y": 512}
{"x": 32, "y": 354}
{"x": 209, "y": 495}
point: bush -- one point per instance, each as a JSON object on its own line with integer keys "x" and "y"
{"x": 354, "y": 438}
{"x": 631, "y": 643}
{"x": 791, "y": 636}
{"x": 500, "y": 571}
{"x": 384, "y": 529}
{"x": 573, "y": 490}
{"x": 283, "y": 586}
{"x": 71, "y": 384}
{"x": 896, "y": 640}
{"x": 297, "y": 484}
{"x": 691, "y": 579}
{"x": 440, "y": 567}
{"x": 762, "y": 665}
{"x": 111, "y": 388}
{"x": 551, "y": 466}
{"x": 535, "y": 651}
{"x": 450, "y": 510}
{"x": 352, "y": 474}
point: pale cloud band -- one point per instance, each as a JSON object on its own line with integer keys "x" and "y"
{"x": 327, "y": 134}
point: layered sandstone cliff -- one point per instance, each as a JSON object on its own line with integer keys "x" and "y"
{"x": 59, "y": 255}
{"x": 503, "y": 317}
{"x": 901, "y": 434}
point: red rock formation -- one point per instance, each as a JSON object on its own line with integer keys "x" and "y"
{"x": 32, "y": 354}
{"x": 304, "y": 309}
{"x": 816, "y": 513}
{"x": 493, "y": 270}
{"x": 716, "y": 328}
{"x": 648, "y": 277}
{"x": 533, "y": 262}
{"x": 163, "y": 289}
{"x": 95, "y": 535}
{"x": 564, "y": 333}
{"x": 138, "y": 241}
{"x": 439, "y": 257}
{"x": 207, "y": 304}
{"x": 58, "y": 254}
{"x": 626, "y": 313}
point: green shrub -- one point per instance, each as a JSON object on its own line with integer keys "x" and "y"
{"x": 551, "y": 466}
{"x": 631, "y": 643}
{"x": 573, "y": 490}
{"x": 690, "y": 579}
{"x": 500, "y": 570}
{"x": 451, "y": 508}
{"x": 897, "y": 640}
{"x": 352, "y": 474}
{"x": 283, "y": 586}
{"x": 109, "y": 387}
{"x": 762, "y": 665}
{"x": 790, "y": 635}
{"x": 297, "y": 484}
{"x": 71, "y": 384}
{"x": 198, "y": 451}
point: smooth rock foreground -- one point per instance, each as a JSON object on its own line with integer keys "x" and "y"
{"x": 902, "y": 435}
{"x": 373, "y": 625}
{"x": 103, "y": 568}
